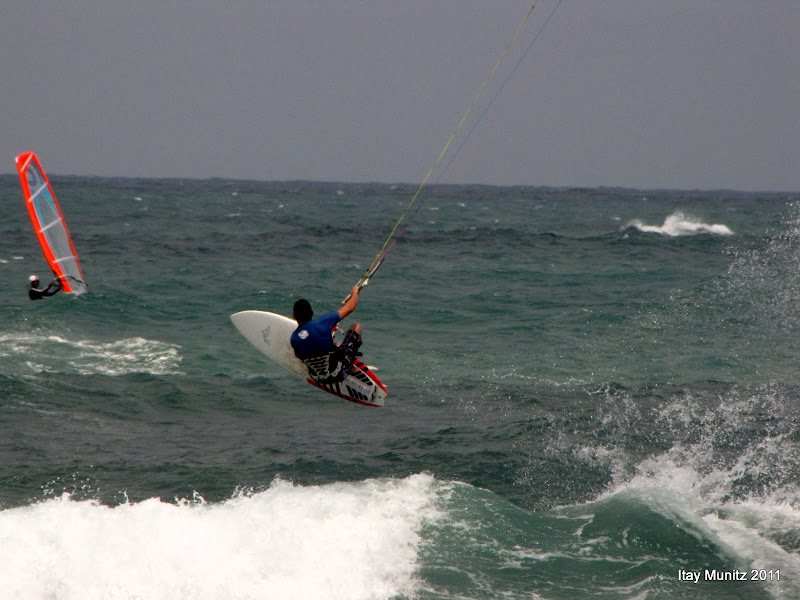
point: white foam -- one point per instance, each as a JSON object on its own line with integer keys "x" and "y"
{"x": 56, "y": 354}
{"x": 739, "y": 492}
{"x": 749, "y": 531}
{"x": 679, "y": 223}
{"x": 344, "y": 540}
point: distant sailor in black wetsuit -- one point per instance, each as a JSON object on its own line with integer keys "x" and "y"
{"x": 36, "y": 294}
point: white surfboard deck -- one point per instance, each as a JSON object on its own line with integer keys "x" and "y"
{"x": 271, "y": 332}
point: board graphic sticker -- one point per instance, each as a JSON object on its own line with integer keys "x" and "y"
{"x": 270, "y": 333}
{"x": 49, "y": 224}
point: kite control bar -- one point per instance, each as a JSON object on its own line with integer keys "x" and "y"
{"x": 360, "y": 286}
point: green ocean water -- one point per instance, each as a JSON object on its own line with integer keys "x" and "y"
{"x": 593, "y": 392}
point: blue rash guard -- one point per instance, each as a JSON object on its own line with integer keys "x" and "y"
{"x": 314, "y": 338}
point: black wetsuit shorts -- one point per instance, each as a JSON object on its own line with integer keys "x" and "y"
{"x": 348, "y": 351}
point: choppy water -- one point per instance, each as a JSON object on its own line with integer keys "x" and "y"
{"x": 591, "y": 393}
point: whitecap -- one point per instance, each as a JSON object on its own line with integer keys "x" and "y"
{"x": 57, "y": 354}
{"x": 356, "y": 541}
{"x": 682, "y": 486}
{"x": 678, "y": 223}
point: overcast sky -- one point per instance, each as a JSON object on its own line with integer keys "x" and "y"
{"x": 690, "y": 94}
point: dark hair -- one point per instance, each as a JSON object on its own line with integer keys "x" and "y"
{"x": 302, "y": 311}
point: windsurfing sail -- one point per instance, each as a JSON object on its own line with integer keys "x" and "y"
{"x": 49, "y": 224}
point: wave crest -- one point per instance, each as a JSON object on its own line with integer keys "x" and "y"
{"x": 679, "y": 223}
{"x": 357, "y": 541}
{"x": 27, "y": 353}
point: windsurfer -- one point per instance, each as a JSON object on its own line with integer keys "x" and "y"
{"x": 37, "y": 294}
{"x": 313, "y": 343}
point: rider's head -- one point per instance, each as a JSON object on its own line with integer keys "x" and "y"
{"x": 34, "y": 279}
{"x": 302, "y": 312}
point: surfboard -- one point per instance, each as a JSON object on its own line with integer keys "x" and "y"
{"x": 49, "y": 224}
{"x": 270, "y": 333}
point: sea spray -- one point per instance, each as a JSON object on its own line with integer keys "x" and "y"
{"x": 349, "y": 541}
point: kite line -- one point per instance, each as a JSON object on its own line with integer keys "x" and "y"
{"x": 452, "y": 165}
{"x": 391, "y": 240}
{"x": 388, "y": 244}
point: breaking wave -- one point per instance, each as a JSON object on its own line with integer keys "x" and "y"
{"x": 678, "y": 224}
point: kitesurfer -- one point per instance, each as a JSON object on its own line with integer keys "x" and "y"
{"x": 313, "y": 343}
{"x": 36, "y": 294}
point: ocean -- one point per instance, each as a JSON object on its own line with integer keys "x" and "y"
{"x": 593, "y": 393}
